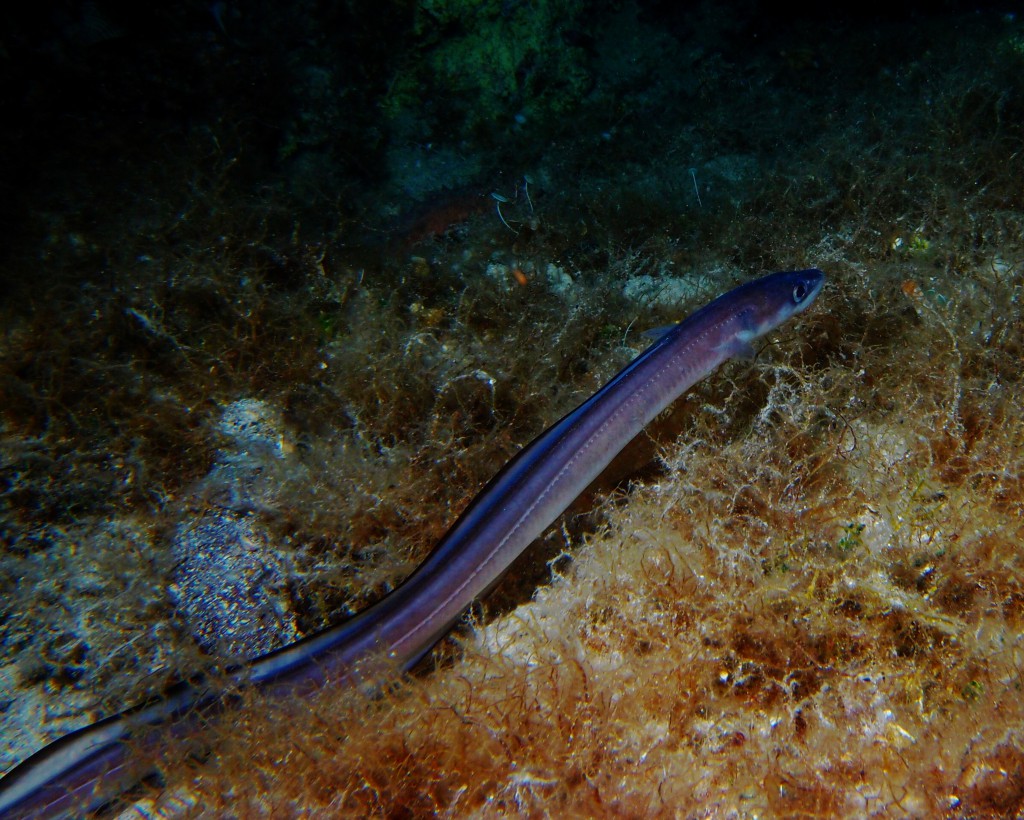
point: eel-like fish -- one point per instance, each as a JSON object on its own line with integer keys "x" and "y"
{"x": 91, "y": 767}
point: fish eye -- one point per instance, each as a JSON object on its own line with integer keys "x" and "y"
{"x": 799, "y": 292}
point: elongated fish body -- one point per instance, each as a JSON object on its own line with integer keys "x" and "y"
{"x": 88, "y": 768}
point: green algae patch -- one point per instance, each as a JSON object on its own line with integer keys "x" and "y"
{"x": 492, "y": 64}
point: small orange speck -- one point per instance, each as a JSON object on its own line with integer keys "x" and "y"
{"x": 519, "y": 276}
{"x": 911, "y": 289}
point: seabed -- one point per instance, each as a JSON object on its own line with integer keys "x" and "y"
{"x": 281, "y": 293}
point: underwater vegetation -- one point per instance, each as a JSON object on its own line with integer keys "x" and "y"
{"x": 488, "y": 66}
{"x": 801, "y": 592}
